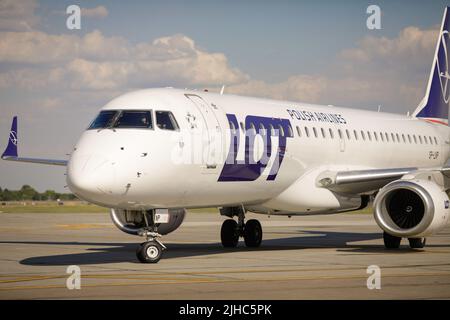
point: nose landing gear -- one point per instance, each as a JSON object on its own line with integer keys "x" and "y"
{"x": 151, "y": 250}
{"x": 232, "y": 230}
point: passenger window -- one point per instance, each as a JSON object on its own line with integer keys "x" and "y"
{"x": 425, "y": 139}
{"x": 382, "y": 136}
{"x": 369, "y": 135}
{"x": 355, "y": 134}
{"x": 409, "y": 138}
{"x": 166, "y": 121}
{"x": 299, "y": 132}
{"x": 435, "y": 140}
{"x": 348, "y": 134}
{"x": 315, "y": 132}
{"x": 331, "y": 133}
{"x": 291, "y": 132}
{"x": 363, "y": 135}
{"x": 103, "y": 120}
{"x": 323, "y": 132}
{"x": 393, "y": 137}
{"x": 431, "y": 140}
{"x": 387, "y": 136}
{"x": 340, "y": 134}
{"x": 420, "y": 139}
{"x": 375, "y": 135}
{"x": 415, "y": 139}
{"x": 307, "y": 131}
{"x": 403, "y": 137}
{"x": 134, "y": 119}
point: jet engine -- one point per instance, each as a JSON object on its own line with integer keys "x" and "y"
{"x": 412, "y": 208}
{"x": 132, "y": 222}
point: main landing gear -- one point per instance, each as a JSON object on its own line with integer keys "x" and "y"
{"x": 393, "y": 242}
{"x": 231, "y": 230}
{"x": 151, "y": 250}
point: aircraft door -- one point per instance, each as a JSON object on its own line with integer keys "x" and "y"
{"x": 212, "y": 132}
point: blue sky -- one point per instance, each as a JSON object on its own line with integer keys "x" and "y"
{"x": 270, "y": 39}
{"x": 56, "y": 79}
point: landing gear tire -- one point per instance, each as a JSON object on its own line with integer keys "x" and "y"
{"x": 229, "y": 233}
{"x": 149, "y": 252}
{"x": 390, "y": 241}
{"x": 417, "y": 243}
{"x": 253, "y": 233}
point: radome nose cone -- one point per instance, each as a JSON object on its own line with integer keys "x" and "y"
{"x": 90, "y": 176}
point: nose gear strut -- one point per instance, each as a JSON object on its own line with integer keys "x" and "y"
{"x": 151, "y": 250}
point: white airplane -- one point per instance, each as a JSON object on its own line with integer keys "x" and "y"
{"x": 151, "y": 154}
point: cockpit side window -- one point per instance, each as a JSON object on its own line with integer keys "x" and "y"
{"x": 165, "y": 120}
{"x": 134, "y": 119}
{"x": 104, "y": 119}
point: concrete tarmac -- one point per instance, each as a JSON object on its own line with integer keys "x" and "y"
{"x": 317, "y": 257}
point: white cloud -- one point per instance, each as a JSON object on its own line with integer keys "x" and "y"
{"x": 36, "y": 47}
{"x": 32, "y": 79}
{"x": 409, "y": 53}
{"x": 18, "y": 15}
{"x": 95, "y": 61}
{"x": 379, "y": 71}
{"x": 97, "y": 12}
{"x": 98, "y": 76}
{"x": 297, "y": 88}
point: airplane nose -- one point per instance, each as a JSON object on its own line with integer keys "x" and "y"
{"x": 90, "y": 176}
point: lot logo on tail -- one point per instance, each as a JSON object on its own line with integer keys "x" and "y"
{"x": 11, "y": 148}
{"x": 443, "y": 66}
{"x": 435, "y": 105}
{"x": 13, "y": 137}
{"x": 250, "y": 169}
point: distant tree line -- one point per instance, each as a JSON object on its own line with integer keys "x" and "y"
{"x": 28, "y": 193}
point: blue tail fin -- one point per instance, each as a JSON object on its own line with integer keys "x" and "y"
{"x": 11, "y": 149}
{"x": 435, "y": 105}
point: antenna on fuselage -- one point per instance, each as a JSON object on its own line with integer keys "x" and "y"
{"x": 222, "y": 90}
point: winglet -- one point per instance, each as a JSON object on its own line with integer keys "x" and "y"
{"x": 11, "y": 149}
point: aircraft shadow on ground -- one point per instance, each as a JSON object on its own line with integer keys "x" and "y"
{"x": 110, "y": 252}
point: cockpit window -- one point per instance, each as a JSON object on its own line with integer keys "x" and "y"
{"x": 134, "y": 119}
{"x": 104, "y": 119}
{"x": 166, "y": 121}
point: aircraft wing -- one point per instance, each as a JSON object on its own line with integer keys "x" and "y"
{"x": 366, "y": 181}
{"x": 11, "y": 154}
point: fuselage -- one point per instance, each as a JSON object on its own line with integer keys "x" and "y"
{"x": 234, "y": 150}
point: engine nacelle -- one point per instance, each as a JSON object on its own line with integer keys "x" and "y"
{"x": 412, "y": 208}
{"x": 132, "y": 222}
